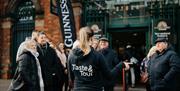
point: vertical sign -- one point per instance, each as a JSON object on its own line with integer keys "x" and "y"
{"x": 63, "y": 9}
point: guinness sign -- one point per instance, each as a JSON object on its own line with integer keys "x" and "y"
{"x": 63, "y": 9}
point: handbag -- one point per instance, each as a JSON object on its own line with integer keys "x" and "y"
{"x": 144, "y": 77}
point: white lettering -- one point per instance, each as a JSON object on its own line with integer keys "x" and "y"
{"x": 68, "y": 42}
{"x": 68, "y": 38}
{"x": 67, "y": 24}
{"x": 68, "y": 35}
{"x": 83, "y": 70}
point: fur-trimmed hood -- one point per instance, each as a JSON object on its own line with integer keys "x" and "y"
{"x": 23, "y": 48}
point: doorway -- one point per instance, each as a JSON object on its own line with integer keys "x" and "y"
{"x": 137, "y": 40}
{"x": 22, "y": 27}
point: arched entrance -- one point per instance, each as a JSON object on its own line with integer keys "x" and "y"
{"x": 22, "y": 27}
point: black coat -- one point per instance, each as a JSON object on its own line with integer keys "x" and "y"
{"x": 110, "y": 56}
{"x": 112, "y": 60}
{"x": 52, "y": 69}
{"x": 26, "y": 76}
{"x": 164, "y": 71}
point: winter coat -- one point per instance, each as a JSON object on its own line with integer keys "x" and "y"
{"x": 112, "y": 60}
{"x": 164, "y": 71}
{"x": 26, "y": 76}
{"x": 52, "y": 69}
{"x": 87, "y": 70}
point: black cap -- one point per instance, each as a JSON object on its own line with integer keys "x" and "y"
{"x": 103, "y": 39}
{"x": 161, "y": 40}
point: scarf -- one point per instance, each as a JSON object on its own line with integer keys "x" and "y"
{"x": 41, "y": 83}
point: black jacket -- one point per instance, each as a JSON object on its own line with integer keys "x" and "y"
{"x": 87, "y": 71}
{"x": 26, "y": 76}
{"x": 110, "y": 56}
{"x": 112, "y": 60}
{"x": 164, "y": 71}
{"x": 52, "y": 69}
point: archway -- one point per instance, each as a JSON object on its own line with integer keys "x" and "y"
{"x": 22, "y": 27}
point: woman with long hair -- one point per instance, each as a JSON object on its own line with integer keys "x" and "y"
{"x": 87, "y": 67}
{"x": 144, "y": 68}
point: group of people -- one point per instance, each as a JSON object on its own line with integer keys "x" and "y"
{"x": 90, "y": 65}
{"x": 40, "y": 67}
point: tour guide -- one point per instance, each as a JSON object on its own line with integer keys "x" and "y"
{"x": 87, "y": 67}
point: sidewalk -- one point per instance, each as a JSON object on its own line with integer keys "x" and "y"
{"x": 4, "y": 84}
{"x": 137, "y": 88}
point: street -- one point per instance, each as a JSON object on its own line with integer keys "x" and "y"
{"x": 4, "y": 84}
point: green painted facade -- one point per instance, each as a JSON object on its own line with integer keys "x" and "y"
{"x": 126, "y": 18}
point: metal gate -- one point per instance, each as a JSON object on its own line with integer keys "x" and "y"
{"x": 23, "y": 26}
{"x": 94, "y": 13}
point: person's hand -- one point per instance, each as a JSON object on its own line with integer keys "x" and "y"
{"x": 127, "y": 65}
{"x": 71, "y": 84}
{"x": 65, "y": 71}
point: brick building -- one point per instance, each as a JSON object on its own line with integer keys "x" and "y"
{"x": 14, "y": 32}
{"x": 124, "y": 22}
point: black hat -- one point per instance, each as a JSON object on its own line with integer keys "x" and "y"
{"x": 161, "y": 40}
{"x": 103, "y": 39}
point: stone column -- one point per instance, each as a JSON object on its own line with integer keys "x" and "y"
{"x": 5, "y": 47}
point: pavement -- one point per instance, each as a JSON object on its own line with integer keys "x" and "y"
{"x": 139, "y": 87}
{"x": 4, "y": 84}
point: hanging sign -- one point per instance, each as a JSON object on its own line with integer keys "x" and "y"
{"x": 63, "y": 9}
